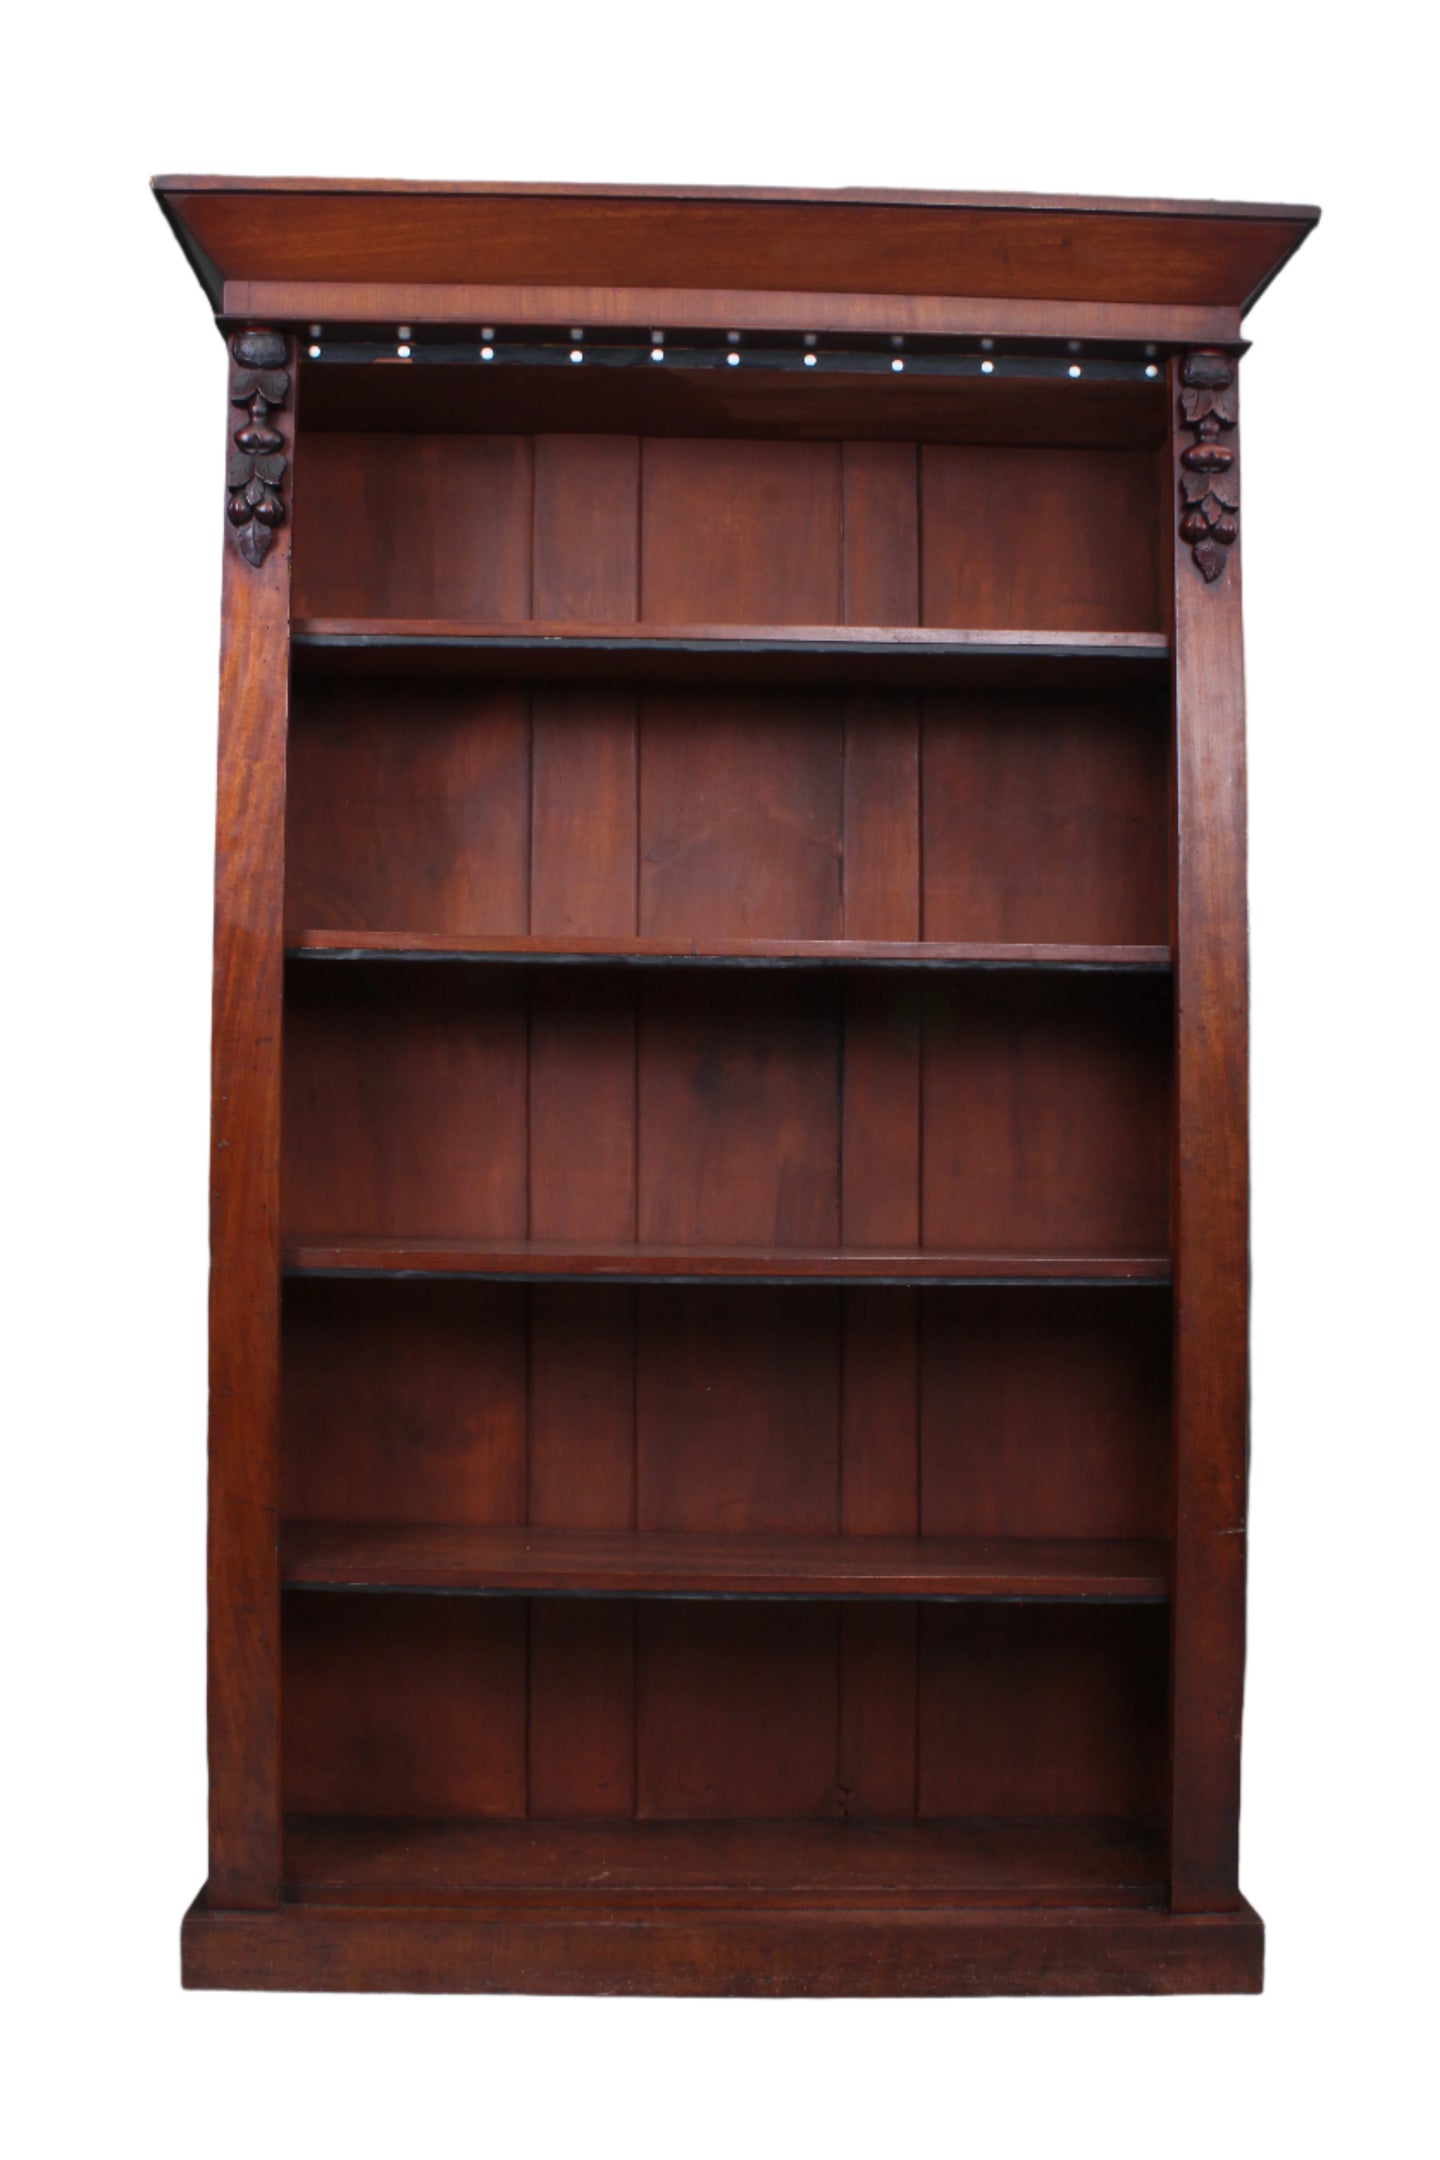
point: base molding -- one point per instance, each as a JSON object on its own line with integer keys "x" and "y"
{"x": 554, "y": 1950}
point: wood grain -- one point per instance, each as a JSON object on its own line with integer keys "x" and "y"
{"x": 1025, "y": 247}
{"x": 1045, "y": 817}
{"x": 411, "y": 1405}
{"x": 1034, "y": 539}
{"x": 380, "y": 1255}
{"x": 1044, "y": 1412}
{"x": 737, "y": 531}
{"x": 710, "y": 1745}
{"x": 409, "y": 805}
{"x": 526, "y": 306}
{"x": 943, "y": 1949}
{"x": 848, "y": 397}
{"x": 1211, "y": 1170}
{"x": 1042, "y": 1710}
{"x": 405, "y": 1705}
{"x": 795, "y": 655}
{"x": 1032, "y": 1412}
{"x": 243, "y": 1690}
{"x": 1091, "y": 1861}
{"x": 763, "y": 1564}
{"x": 411, "y": 524}
{"x": 803, "y": 952}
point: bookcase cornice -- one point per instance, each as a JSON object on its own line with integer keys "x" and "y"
{"x": 1027, "y": 265}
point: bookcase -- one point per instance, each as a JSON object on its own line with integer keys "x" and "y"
{"x": 728, "y": 1427}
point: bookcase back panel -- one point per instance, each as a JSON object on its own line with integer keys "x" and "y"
{"x": 741, "y": 812}
{"x": 403, "y": 1706}
{"x": 750, "y": 403}
{"x": 985, "y": 1112}
{"x": 417, "y": 1707}
{"x": 1041, "y": 1710}
{"x": 977, "y": 1412}
{"x": 517, "y": 527}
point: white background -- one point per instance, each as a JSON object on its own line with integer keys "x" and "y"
{"x": 112, "y": 532}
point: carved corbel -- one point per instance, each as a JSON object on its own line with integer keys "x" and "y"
{"x": 1209, "y": 483}
{"x": 255, "y": 470}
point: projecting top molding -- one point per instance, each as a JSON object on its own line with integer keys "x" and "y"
{"x": 854, "y": 260}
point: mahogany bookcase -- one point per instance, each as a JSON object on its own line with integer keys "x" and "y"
{"x": 729, "y": 1294}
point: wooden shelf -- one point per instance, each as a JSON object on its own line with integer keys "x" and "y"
{"x": 781, "y": 653}
{"x": 375, "y": 1861}
{"x": 543, "y": 1259}
{"x": 621, "y": 1563}
{"x": 720, "y": 952}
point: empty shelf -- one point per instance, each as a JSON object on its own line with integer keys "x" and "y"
{"x": 620, "y": 1563}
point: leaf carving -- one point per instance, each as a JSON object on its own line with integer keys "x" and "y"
{"x": 253, "y": 540}
{"x": 255, "y": 466}
{"x": 1209, "y": 486}
{"x": 1219, "y": 406}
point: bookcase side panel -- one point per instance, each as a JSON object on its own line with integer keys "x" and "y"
{"x": 244, "y": 1610}
{"x": 1211, "y": 1167}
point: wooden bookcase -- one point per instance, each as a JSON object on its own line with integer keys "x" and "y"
{"x": 729, "y": 1295}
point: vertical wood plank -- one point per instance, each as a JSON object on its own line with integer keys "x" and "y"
{"x": 403, "y": 1402}
{"x": 586, "y": 569}
{"x": 1041, "y": 1710}
{"x": 581, "y": 1476}
{"x": 737, "y": 1409}
{"x": 736, "y": 1709}
{"x": 582, "y": 1106}
{"x": 1211, "y": 1220}
{"x": 877, "y": 1712}
{"x": 582, "y": 1709}
{"x": 413, "y": 524}
{"x": 738, "y": 1112}
{"x": 405, "y": 1101}
{"x": 1045, "y": 1413}
{"x": 741, "y": 532}
{"x": 880, "y": 885}
{"x": 882, "y": 533}
{"x": 879, "y": 1496}
{"x": 582, "y": 1407}
{"x": 1045, "y": 817}
{"x": 1024, "y": 538}
{"x": 880, "y": 1442}
{"x": 587, "y": 528}
{"x": 584, "y": 877}
{"x": 1047, "y": 1115}
{"x": 582, "y": 1124}
{"x": 406, "y": 807}
{"x": 741, "y": 808}
{"x": 244, "y": 1431}
{"x": 405, "y": 1706}
{"x": 880, "y": 1116}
